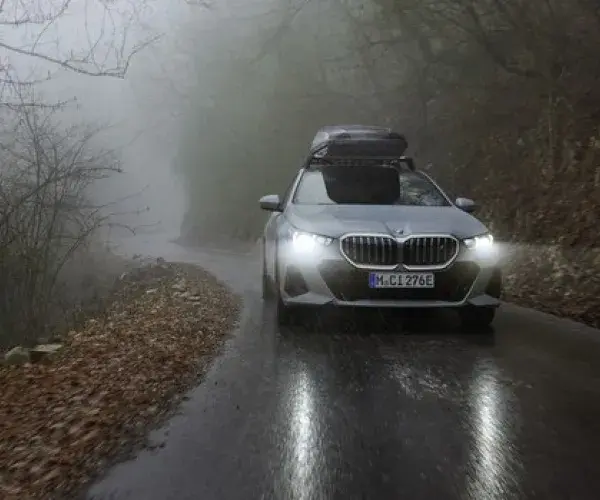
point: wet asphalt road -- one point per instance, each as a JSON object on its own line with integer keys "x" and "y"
{"x": 359, "y": 408}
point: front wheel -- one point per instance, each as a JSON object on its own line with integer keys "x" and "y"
{"x": 283, "y": 313}
{"x": 474, "y": 318}
{"x": 267, "y": 288}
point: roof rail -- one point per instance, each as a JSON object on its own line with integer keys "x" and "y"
{"x": 363, "y": 161}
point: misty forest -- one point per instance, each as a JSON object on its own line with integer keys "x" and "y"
{"x": 179, "y": 116}
{"x": 215, "y": 103}
{"x": 498, "y": 100}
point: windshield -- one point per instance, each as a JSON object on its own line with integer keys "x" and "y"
{"x": 344, "y": 185}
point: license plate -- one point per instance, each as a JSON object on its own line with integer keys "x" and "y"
{"x": 401, "y": 280}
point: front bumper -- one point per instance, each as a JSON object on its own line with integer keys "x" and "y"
{"x": 325, "y": 277}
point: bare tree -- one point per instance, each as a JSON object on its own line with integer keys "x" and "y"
{"x": 512, "y": 103}
{"x": 105, "y": 29}
{"x": 46, "y": 214}
{"x": 47, "y": 170}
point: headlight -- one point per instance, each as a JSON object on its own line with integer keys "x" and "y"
{"x": 482, "y": 245}
{"x": 483, "y": 241}
{"x": 308, "y": 242}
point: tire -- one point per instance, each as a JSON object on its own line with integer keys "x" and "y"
{"x": 477, "y": 318}
{"x": 283, "y": 313}
{"x": 267, "y": 287}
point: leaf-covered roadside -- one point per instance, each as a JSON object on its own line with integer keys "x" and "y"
{"x": 556, "y": 280}
{"x": 60, "y": 423}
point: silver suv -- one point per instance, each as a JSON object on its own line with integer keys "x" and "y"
{"x": 360, "y": 226}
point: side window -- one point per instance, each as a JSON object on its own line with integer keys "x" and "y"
{"x": 288, "y": 192}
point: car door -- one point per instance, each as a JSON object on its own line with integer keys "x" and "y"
{"x": 272, "y": 228}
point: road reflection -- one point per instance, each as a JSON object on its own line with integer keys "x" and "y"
{"x": 492, "y": 470}
{"x": 303, "y": 438}
{"x": 437, "y": 409}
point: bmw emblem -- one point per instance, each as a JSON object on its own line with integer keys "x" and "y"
{"x": 398, "y": 232}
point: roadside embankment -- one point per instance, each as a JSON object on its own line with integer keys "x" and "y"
{"x": 554, "y": 279}
{"x": 69, "y": 408}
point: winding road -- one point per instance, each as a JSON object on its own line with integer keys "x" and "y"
{"x": 361, "y": 409}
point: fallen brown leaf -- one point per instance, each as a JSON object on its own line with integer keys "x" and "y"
{"x": 113, "y": 378}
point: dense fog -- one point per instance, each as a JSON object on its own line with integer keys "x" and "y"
{"x": 217, "y": 101}
{"x": 269, "y": 74}
{"x": 201, "y": 107}
{"x": 221, "y": 106}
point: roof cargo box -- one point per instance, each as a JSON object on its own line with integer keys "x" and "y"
{"x": 358, "y": 141}
{"x": 325, "y": 134}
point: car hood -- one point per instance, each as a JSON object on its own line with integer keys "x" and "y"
{"x": 335, "y": 220}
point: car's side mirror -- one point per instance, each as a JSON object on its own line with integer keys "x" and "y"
{"x": 466, "y": 204}
{"x": 270, "y": 203}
